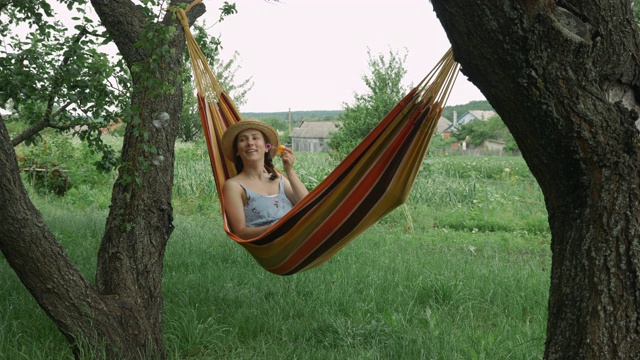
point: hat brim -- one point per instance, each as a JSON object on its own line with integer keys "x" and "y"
{"x": 232, "y": 131}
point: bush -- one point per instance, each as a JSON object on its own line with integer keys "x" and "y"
{"x": 62, "y": 165}
{"x": 478, "y": 131}
{"x": 440, "y": 145}
{"x": 368, "y": 109}
{"x": 45, "y": 177}
{"x": 44, "y": 169}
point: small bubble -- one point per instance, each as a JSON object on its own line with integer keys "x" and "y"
{"x": 160, "y": 119}
{"x": 158, "y": 160}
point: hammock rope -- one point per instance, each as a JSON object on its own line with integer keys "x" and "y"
{"x": 375, "y": 178}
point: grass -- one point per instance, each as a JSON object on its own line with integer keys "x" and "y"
{"x": 461, "y": 271}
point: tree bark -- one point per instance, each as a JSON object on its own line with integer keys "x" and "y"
{"x": 83, "y": 315}
{"x": 564, "y": 78}
{"x": 121, "y": 316}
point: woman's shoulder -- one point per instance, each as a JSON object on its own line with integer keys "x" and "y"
{"x": 232, "y": 184}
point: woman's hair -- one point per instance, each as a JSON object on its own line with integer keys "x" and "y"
{"x": 268, "y": 161}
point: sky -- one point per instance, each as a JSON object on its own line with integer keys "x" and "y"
{"x": 312, "y": 54}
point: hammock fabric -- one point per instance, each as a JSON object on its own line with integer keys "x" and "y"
{"x": 375, "y": 178}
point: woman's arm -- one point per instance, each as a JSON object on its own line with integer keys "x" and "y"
{"x": 294, "y": 188}
{"x": 234, "y": 209}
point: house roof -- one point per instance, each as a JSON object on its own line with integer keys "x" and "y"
{"x": 314, "y": 129}
{"x": 482, "y": 114}
{"x": 473, "y": 115}
{"x": 443, "y": 124}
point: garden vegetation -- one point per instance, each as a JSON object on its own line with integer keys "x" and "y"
{"x": 461, "y": 271}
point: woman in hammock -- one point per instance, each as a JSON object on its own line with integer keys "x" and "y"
{"x": 258, "y": 195}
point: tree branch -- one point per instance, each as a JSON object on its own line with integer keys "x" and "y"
{"x": 43, "y": 124}
{"x": 49, "y": 115}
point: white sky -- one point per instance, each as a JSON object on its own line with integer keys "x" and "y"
{"x": 312, "y": 54}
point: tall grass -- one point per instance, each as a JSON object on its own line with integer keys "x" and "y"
{"x": 194, "y": 189}
{"x": 481, "y": 193}
{"x": 461, "y": 271}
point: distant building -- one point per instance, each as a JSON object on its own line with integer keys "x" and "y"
{"x": 493, "y": 145}
{"x": 444, "y": 127}
{"x": 443, "y": 124}
{"x": 472, "y": 115}
{"x": 468, "y": 117}
{"x": 312, "y": 135}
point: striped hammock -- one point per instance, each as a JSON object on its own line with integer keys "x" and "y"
{"x": 372, "y": 180}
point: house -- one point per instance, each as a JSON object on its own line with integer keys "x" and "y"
{"x": 468, "y": 117}
{"x": 312, "y": 135}
{"x": 493, "y": 145}
{"x": 443, "y": 125}
{"x": 472, "y": 115}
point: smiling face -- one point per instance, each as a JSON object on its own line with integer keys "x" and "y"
{"x": 251, "y": 144}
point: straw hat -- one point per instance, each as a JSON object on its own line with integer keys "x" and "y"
{"x": 232, "y": 131}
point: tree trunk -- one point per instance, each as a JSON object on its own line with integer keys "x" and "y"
{"x": 121, "y": 317}
{"x": 86, "y": 317}
{"x": 564, "y": 78}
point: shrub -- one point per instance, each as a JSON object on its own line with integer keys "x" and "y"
{"x": 44, "y": 166}
{"x": 45, "y": 176}
{"x": 60, "y": 164}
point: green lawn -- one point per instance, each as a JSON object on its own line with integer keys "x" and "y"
{"x": 461, "y": 271}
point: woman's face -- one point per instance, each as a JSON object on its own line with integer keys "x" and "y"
{"x": 251, "y": 144}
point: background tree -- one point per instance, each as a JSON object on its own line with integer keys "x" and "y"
{"x": 58, "y": 78}
{"x": 84, "y": 93}
{"x": 120, "y": 316}
{"x": 278, "y": 123}
{"x": 564, "y": 78}
{"x": 492, "y": 129}
{"x": 386, "y": 89}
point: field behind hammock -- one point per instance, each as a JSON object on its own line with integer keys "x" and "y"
{"x": 461, "y": 271}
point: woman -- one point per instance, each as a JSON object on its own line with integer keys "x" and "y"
{"x": 258, "y": 195}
